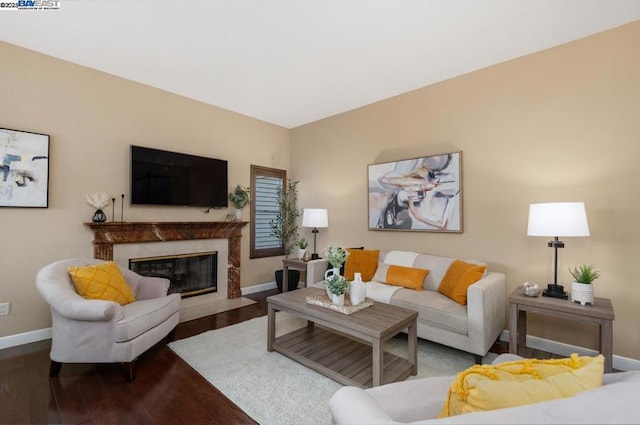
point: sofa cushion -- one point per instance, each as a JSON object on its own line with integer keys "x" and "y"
{"x": 364, "y": 261}
{"x": 458, "y": 278}
{"x": 407, "y": 277}
{"x": 143, "y": 315}
{"x": 434, "y": 308}
{"x": 102, "y": 281}
{"x": 488, "y": 387}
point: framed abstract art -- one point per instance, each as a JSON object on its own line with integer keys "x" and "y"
{"x": 24, "y": 169}
{"x": 418, "y": 194}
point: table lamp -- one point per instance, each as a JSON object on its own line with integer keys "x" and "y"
{"x": 315, "y": 217}
{"x": 557, "y": 219}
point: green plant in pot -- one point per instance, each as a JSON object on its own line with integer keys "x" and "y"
{"x": 582, "y": 287}
{"x": 302, "y": 248}
{"x": 337, "y": 286}
{"x": 285, "y": 227}
{"x": 239, "y": 198}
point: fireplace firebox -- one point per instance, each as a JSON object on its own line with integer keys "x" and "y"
{"x": 189, "y": 274}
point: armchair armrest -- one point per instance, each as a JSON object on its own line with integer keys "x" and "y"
{"x": 486, "y": 311}
{"x": 152, "y": 287}
{"x": 315, "y": 271}
{"x": 78, "y": 308}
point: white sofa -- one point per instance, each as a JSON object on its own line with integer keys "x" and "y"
{"x": 420, "y": 401}
{"x": 472, "y": 328}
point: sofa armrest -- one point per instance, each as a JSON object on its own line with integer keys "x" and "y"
{"x": 315, "y": 271}
{"x": 486, "y": 305}
{"x": 152, "y": 287}
{"x": 352, "y": 405}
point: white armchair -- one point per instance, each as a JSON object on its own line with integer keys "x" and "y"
{"x": 97, "y": 331}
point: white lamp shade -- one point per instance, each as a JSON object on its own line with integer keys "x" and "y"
{"x": 315, "y": 217}
{"x": 558, "y": 219}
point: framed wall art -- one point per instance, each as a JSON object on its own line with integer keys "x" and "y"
{"x": 24, "y": 169}
{"x": 419, "y": 194}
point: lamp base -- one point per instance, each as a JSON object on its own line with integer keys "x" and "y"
{"x": 315, "y": 256}
{"x": 555, "y": 291}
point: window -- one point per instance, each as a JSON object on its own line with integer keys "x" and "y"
{"x": 265, "y": 185}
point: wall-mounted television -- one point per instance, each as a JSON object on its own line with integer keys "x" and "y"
{"x": 161, "y": 177}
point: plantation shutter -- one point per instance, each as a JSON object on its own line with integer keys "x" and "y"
{"x": 266, "y": 184}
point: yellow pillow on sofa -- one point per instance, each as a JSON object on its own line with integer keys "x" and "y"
{"x": 364, "y": 261}
{"x": 407, "y": 277}
{"x": 460, "y": 275}
{"x": 102, "y": 282}
{"x": 487, "y": 387}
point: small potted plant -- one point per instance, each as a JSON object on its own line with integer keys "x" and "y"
{"x": 582, "y": 287}
{"x": 337, "y": 286}
{"x": 302, "y": 247}
{"x": 239, "y": 198}
{"x": 337, "y": 256}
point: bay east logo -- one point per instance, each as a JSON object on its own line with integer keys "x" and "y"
{"x": 30, "y": 4}
{"x": 39, "y": 4}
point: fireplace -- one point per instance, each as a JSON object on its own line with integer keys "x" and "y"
{"x": 190, "y": 274}
{"x": 226, "y": 235}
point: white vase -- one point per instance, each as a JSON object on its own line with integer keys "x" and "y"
{"x": 357, "y": 290}
{"x": 301, "y": 252}
{"x": 331, "y": 272}
{"x": 582, "y": 293}
{"x": 238, "y": 214}
{"x": 337, "y": 299}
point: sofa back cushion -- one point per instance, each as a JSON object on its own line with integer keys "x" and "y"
{"x": 436, "y": 265}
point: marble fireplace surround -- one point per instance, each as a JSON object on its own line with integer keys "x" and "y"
{"x": 120, "y": 241}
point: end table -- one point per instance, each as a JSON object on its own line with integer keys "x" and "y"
{"x": 600, "y": 313}
{"x": 292, "y": 263}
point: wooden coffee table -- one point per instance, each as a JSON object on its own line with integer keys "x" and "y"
{"x": 346, "y": 348}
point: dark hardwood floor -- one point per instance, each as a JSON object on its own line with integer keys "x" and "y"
{"x": 166, "y": 390}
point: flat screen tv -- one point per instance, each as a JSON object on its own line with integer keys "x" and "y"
{"x": 161, "y": 177}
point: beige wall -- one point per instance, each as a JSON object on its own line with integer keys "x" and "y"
{"x": 560, "y": 125}
{"x": 92, "y": 119}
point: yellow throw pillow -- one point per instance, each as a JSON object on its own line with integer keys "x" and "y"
{"x": 487, "y": 387}
{"x": 458, "y": 278}
{"x": 406, "y": 277}
{"x": 364, "y": 261}
{"x": 102, "y": 282}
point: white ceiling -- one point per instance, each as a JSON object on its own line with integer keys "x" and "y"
{"x": 291, "y": 62}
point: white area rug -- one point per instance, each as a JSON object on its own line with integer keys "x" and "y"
{"x": 275, "y": 390}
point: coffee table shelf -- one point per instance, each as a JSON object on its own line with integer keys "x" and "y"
{"x": 342, "y": 359}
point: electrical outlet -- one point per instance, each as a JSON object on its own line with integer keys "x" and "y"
{"x": 4, "y": 309}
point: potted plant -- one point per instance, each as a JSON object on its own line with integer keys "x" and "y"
{"x": 337, "y": 286}
{"x": 285, "y": 227}
{"x": 336, "y": 255}
{"x": 582, "y": 287}
{"x": 302, "y": 248}
{"x": 239, "y": 198}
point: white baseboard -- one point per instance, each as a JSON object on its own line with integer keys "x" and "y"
{"x": 258, "y": 288}
{"x": 562, "y": 349}
{"x": 25, "y": 338}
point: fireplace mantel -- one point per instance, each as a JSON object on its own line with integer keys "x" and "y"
{"x": 105, "y": 235}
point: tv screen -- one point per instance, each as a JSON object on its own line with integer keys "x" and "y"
{"x": 161, "y": 177}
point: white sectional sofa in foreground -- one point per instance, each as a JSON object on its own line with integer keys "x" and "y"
{"x": 419, "y": 401}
